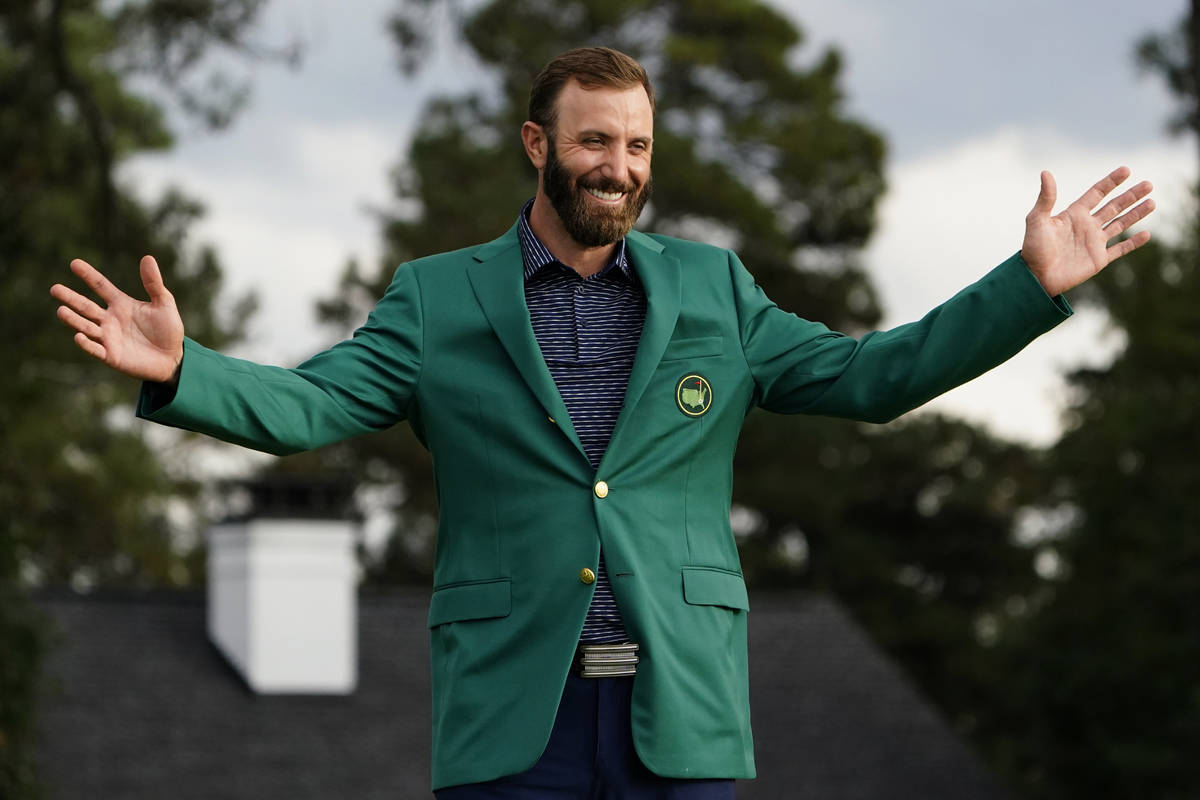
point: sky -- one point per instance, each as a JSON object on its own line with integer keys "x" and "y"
{"x": 974, "y": 99}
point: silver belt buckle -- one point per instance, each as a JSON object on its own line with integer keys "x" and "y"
{"x": 607, "y": 660}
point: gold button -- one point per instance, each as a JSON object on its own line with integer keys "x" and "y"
{"x": 551, "y": 420}
{"x": 601, "y": 489}
{"x": 587, "y": 576}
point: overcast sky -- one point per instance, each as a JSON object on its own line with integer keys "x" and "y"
{"x": 973, "y": 98}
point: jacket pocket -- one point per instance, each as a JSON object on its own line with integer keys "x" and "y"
{"x": 465, "y": 601}
{"x": 695, "y": 347}
{"x": 710, "y": 586}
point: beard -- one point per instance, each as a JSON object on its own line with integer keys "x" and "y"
{"x": 588, "y": 225}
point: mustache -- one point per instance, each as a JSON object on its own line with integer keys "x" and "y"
{"x": 608, "y": 185}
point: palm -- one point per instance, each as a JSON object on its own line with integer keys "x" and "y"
{"x": 143, "y": 339}
{"x": 139, "y": 335}
{"x": 1066, "y": 249}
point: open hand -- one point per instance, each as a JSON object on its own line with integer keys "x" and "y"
{"x": 139, "y": 338}
{"x": 1066, "y": 249}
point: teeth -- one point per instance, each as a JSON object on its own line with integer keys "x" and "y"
{"x": 605, "y": 195}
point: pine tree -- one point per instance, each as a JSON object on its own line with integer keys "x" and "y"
{"x": 83, "y": 498}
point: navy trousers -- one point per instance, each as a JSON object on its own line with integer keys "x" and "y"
{"x": 591, "y": 757}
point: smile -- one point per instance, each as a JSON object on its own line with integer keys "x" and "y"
{"x": 610, "y": 197}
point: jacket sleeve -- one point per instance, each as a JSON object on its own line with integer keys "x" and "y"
{"x": 362, "y": 384}
{"x": 803, "y": 367}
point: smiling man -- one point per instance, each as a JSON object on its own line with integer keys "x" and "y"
{"x": 582, "y": 386}
{"x": 590, "y": 137}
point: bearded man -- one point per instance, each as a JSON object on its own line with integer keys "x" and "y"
{"x": 581, "y": 387}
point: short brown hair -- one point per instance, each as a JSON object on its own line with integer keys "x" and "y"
{"x": 593, "y": 67}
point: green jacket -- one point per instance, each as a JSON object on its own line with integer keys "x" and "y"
{"x": 450, "y": 348}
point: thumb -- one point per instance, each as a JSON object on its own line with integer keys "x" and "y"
{"x": 1047, "y": 196}
{"x": 153, "y": 281}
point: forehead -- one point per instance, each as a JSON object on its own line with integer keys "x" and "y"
{"x": 603, "y": 108}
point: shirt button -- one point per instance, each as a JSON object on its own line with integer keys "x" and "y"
{"x": 601, "y": 489}
{"x": 586, "y": 576}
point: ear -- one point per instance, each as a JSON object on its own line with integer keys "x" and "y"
{"x": 534, "y": 138}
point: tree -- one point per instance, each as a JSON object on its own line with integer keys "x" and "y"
{"x": 908, "y": 524}
{"x": 83, "y": 499}
{"x": 1106, "y": 675}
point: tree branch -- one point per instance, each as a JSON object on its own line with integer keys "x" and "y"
{"x": 93, "y": 121}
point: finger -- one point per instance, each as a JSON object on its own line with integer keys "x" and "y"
{"x": 1126, "y": 246}
{"x": 92, "y": 348}
{"x": 81, "y": 324}
{"x": 99, "y": 284}
{"x": 152, "y": 280}
{"x": 77, "y": 302}
{"x": 1114, "y": 207}
{"x": 1129, "y": 219}
{"x": 1047, "y": 196}
{"x": 1095, "y": 195}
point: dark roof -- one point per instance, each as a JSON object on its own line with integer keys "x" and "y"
{"x": 140, "y": 705}
{"x": 834, "y": 718}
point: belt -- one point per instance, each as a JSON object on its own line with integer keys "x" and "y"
{"x": 607, "y": 660}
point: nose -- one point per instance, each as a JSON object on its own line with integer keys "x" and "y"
{"x": 616, "y": 165}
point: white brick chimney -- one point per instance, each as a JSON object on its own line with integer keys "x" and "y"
{"x": 282, "y": 589}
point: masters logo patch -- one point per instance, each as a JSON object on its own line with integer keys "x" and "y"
{"x": 693, "y": 395}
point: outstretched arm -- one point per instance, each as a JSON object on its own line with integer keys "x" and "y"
{"x": 143, "y": 339}
{"x": 1066, "y": 249}
{"x": 365, "y": 383}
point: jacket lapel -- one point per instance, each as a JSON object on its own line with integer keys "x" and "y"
{"x": 661, "y": 276}
{"x": 497, "y": 278}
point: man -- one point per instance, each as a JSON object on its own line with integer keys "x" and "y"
{"x": 581, "y": 387}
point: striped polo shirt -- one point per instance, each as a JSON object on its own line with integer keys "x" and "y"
{"x": 588, "y": 330}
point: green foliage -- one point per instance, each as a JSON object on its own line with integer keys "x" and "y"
{"x": 910, "y": 525}
{"x": 1172, "y": 56}
{"x": 1104, "y": 679}
{"x": 83, "y": 498}
{"x": 1109, "y": 671}
{"x": 21, "y": 650}
{"x": 80, "y": 492}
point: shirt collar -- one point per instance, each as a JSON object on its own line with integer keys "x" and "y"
{"x": 536, "y": 255}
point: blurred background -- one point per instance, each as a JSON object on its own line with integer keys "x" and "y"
{"x": 1025, "y": 548}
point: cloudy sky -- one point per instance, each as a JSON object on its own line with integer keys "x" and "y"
{"x": 974, "y": 99}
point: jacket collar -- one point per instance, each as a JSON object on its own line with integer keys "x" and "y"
{"x": 497, "y": 279}
{"x": 661, "y": 276}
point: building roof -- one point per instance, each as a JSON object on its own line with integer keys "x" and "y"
{"x": 140, "y": 705}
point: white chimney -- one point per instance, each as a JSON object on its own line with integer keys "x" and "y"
{"x": 282, "y": 590}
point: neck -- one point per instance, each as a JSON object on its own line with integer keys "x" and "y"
{"x": 545, "y": 222}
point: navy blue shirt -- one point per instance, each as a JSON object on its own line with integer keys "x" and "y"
{"x": 588, "y": 330}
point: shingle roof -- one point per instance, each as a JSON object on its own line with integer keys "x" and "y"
{"x": 140, "y": 705}
{"x": 834, "y": 717}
